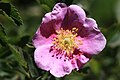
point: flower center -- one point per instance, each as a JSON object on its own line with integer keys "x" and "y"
{"x": 66, "y": 40}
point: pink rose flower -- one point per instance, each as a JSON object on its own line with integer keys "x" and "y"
{"x": 66, "y": 40}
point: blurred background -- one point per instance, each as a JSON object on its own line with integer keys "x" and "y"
{"x": 19, "y": 20}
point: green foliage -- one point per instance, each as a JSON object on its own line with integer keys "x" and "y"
{"x": 17, "y": 51}
{"x": 18, "y": 55}
{"x": 3, "y": 39}
{"x": 32, "y": 70}
{"x": 9, "y": 10}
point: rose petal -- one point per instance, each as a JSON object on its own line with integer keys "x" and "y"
{"x": 79, "y": 61}
{"x": 92, "y": 39}
{"x": 75, "y": 15}
{"x": 51, "y": 22}
{"x": 58, "y": 14}
{"x": 83, "y": 59}
{"x": 61, "y": 68}
{"x": 78, "y": 11}
{"x": 39, "y": 40}
{"x": 43, "y": 58}
{"x": 47, "y": 26}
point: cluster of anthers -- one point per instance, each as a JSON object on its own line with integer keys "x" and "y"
{"x": 66, "y": 41}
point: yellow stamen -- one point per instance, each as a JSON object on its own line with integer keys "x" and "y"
{"x": 67, "y": 40}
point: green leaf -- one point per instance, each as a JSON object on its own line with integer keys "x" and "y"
{"x": 2, "y": 30}
{"x": 10, "y": 10}
{"x": 32, "y": 69}
{"x": 17, "y": 55}
{"x": 3, "y": 38}
{"x": 15, "y": 15}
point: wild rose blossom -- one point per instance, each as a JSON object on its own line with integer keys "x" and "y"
{"x": 66, "y": 40}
